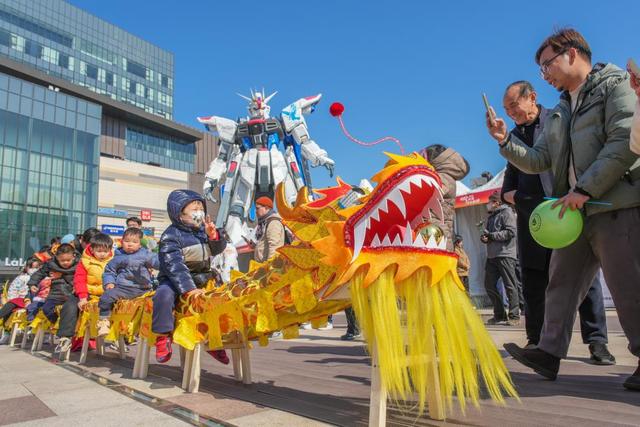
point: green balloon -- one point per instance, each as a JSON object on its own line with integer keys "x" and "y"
{"x": 552, "y": 232}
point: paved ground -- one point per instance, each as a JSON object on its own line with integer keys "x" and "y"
{"x": 35, "y": 392}
{"x": 318, "y": 380}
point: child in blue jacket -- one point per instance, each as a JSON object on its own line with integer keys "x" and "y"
{"x": 126, "y": 276}
{"x": 186, "y": 248}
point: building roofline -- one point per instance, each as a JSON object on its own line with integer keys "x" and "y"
{"x": 110, "y": 106}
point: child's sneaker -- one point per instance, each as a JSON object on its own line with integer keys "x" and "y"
{"x": 220, "y": 356}
{"x": 163, "y": 348}
{"x": 103, "y": 327}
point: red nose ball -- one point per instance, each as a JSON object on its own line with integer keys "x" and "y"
{"x": 336, "y": 109}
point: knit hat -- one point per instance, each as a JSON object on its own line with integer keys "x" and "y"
{"x": 265, "y": 201}
{"x": 69, "y": 238}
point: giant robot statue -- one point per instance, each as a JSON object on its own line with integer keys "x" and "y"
{"x": 250, "y": 163}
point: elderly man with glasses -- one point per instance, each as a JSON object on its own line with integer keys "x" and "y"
{"x": 585, "y": 143}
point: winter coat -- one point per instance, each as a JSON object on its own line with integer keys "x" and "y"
{"x": 61, "y": 287}
{"x": 463, "y": 265}
{"x": 531, "y": 190}
{"x": 185, "y": 252}
{"x": 451, "y": 167}
{"x": 88, "y": 278}
{"x": 501, "y": 233}
{"x": 596, "y": 134}
{"x": 270, "y": 236}
{"x": 131, "y": 270}
{"x": 18, "y": 287}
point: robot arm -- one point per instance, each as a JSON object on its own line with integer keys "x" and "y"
{"x": 296, "y": 126}
{"x": 226, "y": 130}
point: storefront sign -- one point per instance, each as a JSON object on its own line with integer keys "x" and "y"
{"x": 13, "y": 262}
{"x": 145, "y": 214}
{"x": 113, "y": 230}
{"x": 116, "y": 213}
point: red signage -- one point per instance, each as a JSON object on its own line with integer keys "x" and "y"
{"x": 145, "y": 214}
{"x": 473, "y": 199}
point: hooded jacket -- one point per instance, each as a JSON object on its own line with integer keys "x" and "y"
{"x": 451, "y": 167}
{"x": 596, "y": 135}
{"x": 131, "y": 270}
{"x": 62, "y": 287}
{"x": 185, "y": 251}
{"x": 88, "y": 278}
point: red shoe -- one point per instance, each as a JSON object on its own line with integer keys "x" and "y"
{"x": 220, "y": 356}
{"x": 163, "y": 348}
{"x": 76, "y": 344}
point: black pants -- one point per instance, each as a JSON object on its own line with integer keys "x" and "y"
{"x": 68, "y": 314}
{"x": 352, "y": 322}
{"x": 593, "y": 320}
{"x": 504, "y": 268}
{"x": 6, "y": 310}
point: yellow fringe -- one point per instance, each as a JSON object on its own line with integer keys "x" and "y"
{"x": 419, "y": 324}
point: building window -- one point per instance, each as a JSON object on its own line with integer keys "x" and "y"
{"x": 110, "y": 78}
{"x": 92, "y": 71}
{"x": 33, "y": 48}
{"x": 137, "y": 69}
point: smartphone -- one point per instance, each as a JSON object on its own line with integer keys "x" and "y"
{"x": 492, "y": 114}
{"x": 633, "y": 68}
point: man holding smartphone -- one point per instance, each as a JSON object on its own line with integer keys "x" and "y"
{"x": 585, "y": 143}
{"x": 526, "y": 191}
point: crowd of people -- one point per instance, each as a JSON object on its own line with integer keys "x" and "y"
{"x": 584, "y": 149}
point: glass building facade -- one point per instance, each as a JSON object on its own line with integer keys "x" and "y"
{"x": 146, "y": 147}
{"x": 65, "y": 41}
{"x": 49, "y": 154}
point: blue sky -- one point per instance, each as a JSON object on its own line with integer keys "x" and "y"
{"x": 411, "y": 69}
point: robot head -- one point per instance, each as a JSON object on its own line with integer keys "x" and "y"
{"x": 258, "y": 105}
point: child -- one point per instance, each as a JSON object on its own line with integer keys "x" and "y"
{"x": 88, "y": 278}
{"x": 17, "y": 293}
{"x": 38, "y": 296}
{"x": 60, "y": 270}
{"x": 87, "y": 282}
{"x": 185, "y": 249}
{"x": 126, "y": 276}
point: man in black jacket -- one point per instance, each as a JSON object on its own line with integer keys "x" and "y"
{"x": 525, "y": 192}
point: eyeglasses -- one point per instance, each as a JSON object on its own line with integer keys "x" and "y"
{"x": 544, "y": 67}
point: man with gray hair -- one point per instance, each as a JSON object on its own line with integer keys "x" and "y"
{"x": 526, "y": 191}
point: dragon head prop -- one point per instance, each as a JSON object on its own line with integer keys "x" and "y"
{"x": 370, "y": 254}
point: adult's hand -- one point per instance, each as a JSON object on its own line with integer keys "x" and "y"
{"x": 509, "y": 196}
{"x": 496, "y": 126}
{"x": 571, "y": 201}
{"x": 109, "y": 286}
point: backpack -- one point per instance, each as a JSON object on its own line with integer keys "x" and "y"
{"x": 288, "y": 235}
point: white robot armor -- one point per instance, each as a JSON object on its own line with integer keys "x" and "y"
{"x": 251, "y": 164}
